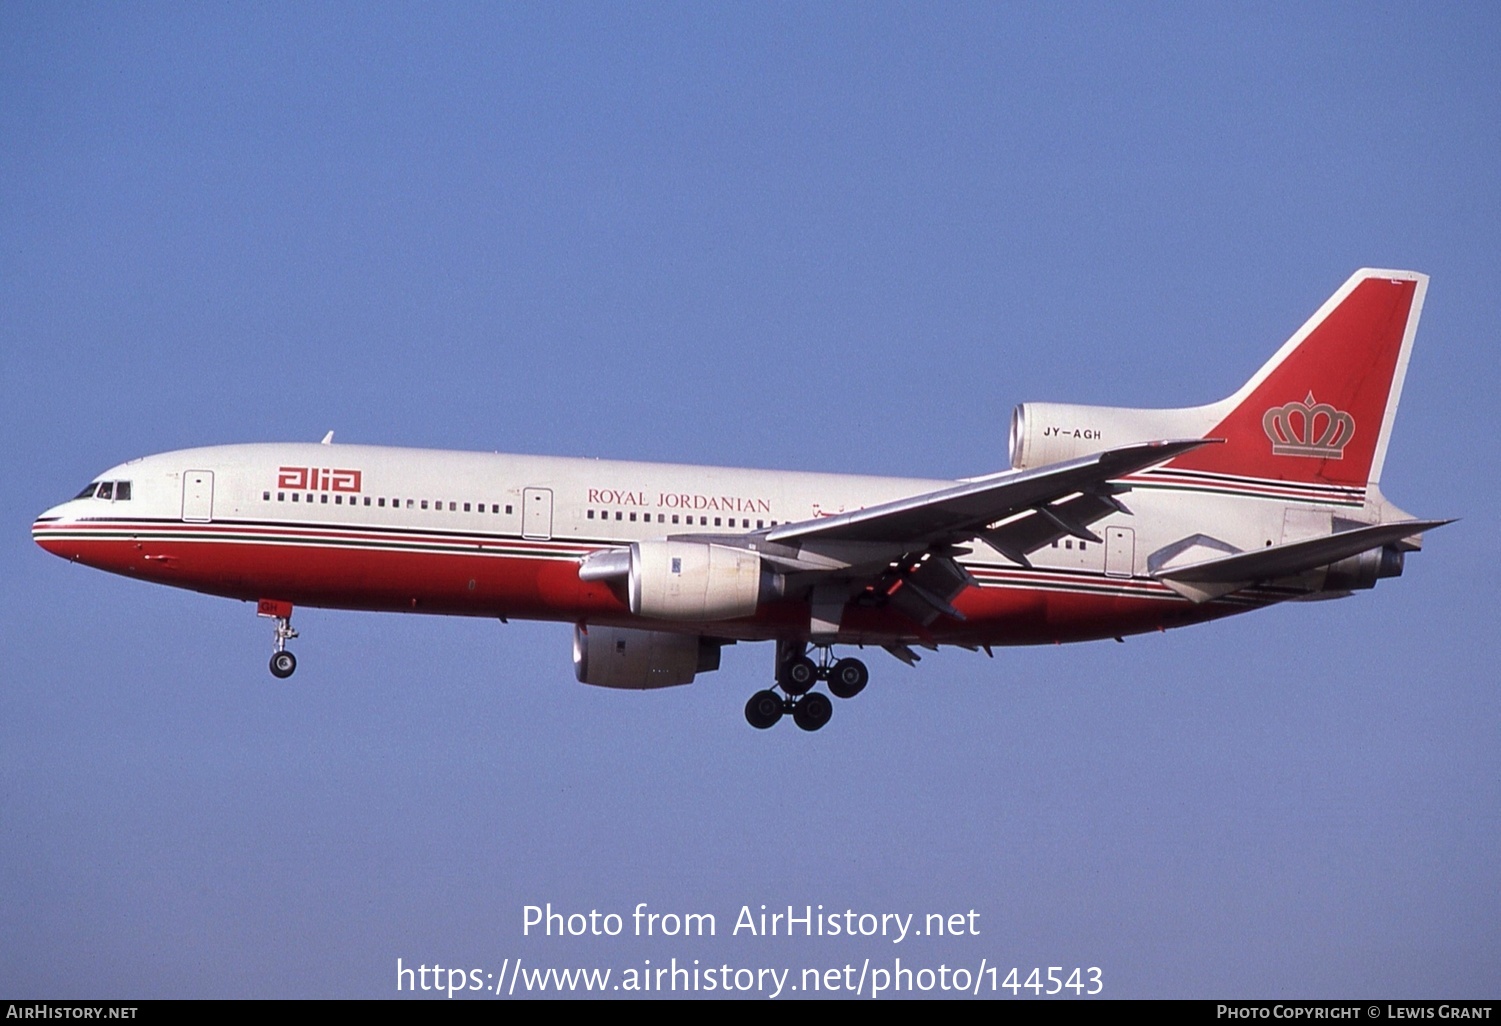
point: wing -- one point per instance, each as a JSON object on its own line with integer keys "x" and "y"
{"x": 902, "y": 553}
{"x": 977, "y": 508}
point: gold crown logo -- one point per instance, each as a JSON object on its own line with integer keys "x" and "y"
{"x": 1321, "y": 430}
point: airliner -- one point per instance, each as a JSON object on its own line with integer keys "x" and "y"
{"x": 1109, "y": 522}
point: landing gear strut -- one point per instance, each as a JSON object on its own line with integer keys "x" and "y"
{"x": 283, "y": 663}
{"x": 796, "y": 676}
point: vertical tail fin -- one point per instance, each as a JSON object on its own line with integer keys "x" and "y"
{"x": 1320, "y": 411}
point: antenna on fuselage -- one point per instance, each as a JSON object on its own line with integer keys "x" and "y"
{"x": 328, "y": 439}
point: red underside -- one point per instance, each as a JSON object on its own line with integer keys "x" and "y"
{"x": 541, "y": 589}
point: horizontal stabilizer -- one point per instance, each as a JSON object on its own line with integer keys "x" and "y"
{"x": 1213, "y": 577}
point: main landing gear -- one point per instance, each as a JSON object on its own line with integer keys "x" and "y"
{"x": 283, "y": 663}
{"x": 796, "y": 676}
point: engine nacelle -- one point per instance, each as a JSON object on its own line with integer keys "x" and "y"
{"x": 1364, "y": 569}
{"x": 686, "y": 580}
{"x": 1045, "y": 433}
{"x": 618, "y": 657}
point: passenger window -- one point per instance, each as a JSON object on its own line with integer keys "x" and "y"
{"x": 508, "y": 510}
{"x": 661, "y": 518}
{"x": 619, "y": 515}
{"x": 674, "y": 518}
{"x": 466, "y": 507}
{"x": 296, "y": 496}
{"x": 703, "y": 521}
{"x": 411, "y": 501}
{"x": 590, "y": 514}
{"x": 367, "y": 500}
{"x": 453, "y": 507}
{"x": 381, "y": 502}
{"x": 338, "y": 500}
{"x": 633, "y": 518}
{"x": 323, "y": 498}
{"x": 424, "y": 504}
{"x": 265, "y": 496}
{"x": 716, "y": 521}
{"x": 281, "y": 496}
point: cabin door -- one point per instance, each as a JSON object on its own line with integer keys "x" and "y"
{"x": 1120, "y": 551}
{"x": 536, "y": 513}
{"x": 198, "y": 496}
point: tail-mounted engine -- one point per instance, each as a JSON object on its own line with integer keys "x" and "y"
{"x": 1044, "y": 433}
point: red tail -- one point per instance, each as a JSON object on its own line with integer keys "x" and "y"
{"x": 1321, "y": 410}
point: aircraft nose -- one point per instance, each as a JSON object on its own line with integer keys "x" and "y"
{"x": 45, "y": 524}
{"x": 58, "y": 512}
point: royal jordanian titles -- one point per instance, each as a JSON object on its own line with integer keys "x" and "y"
{"x": 1110, "y": 522}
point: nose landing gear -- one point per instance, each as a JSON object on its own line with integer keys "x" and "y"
{"x": 283, "y": 663}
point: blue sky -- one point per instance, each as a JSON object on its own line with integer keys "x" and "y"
{"x": 826, "y": 237}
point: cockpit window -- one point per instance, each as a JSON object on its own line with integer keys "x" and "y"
{"x": 119, "y": 491}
